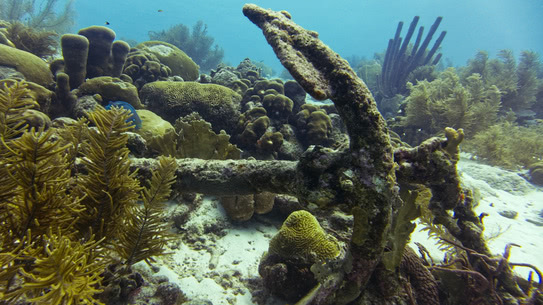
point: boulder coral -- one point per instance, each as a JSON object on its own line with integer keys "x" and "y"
{"x": 179, "y": 62}
{"x": 31, "y": 66}
{"x": 144, "y": 67}
{"x": 314, "y": 125}
{"x": 152, "y": 125}
{"x": 278, "y": 106}
{"x": 111, "y": 89}
{"x": 216, "y": 104}
{"x": 252, "y": 125}
{"x": 243, "y": 207}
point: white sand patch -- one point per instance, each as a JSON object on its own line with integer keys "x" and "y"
{"x": 212, "y": 267}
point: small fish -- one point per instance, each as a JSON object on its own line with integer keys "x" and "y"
{"x": 134, "y": 118}
{"x": 160, "y": 11}
{"x": 107, "y": 23}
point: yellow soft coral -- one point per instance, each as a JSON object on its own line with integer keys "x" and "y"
{"x": 302, "y": 236}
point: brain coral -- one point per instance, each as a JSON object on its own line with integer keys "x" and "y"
{"x": 216, "y": 104}
{"x": 302, "y": 236}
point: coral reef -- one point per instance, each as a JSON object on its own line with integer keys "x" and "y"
{"x": 314, "y": 125}
{"x": 302, "y": 236}
{"x": 361, "y": 178}
{"x": 111, "y": 89}
{"x": 144, "y": 67}
{"x": 57, "y": 218}
{"x": 171, "y": 56}
{"x": 31, "y": 66}
{"x": 216, "y": 104}
{"x": 197, "y": 44}
{"x": 72, "y": 193}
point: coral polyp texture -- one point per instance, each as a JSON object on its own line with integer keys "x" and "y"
{"x": 171, "y": 56}
{"x": 302, "y": 236}
{"x": 216, "y": 104}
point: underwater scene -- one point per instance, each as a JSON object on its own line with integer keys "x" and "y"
{"x": 282, "y": 152}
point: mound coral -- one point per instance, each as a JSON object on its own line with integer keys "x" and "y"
{"x": 302, "y": 236}
{"x": 111, "y": 89}
{"x": 300, "y": 243}
{"x": 31, "y": 66}
{"x": 171, "y": 100}
{"x": 171, "y": 56}
{"x": 144, "y": 67}
{"x": 243, "y": 207}
{"x": 314, "y": 125}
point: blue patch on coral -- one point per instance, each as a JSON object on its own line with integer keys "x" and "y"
{"x": 134, "y": 118}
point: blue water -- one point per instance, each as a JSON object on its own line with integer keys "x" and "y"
{"x": 350, "y": 27}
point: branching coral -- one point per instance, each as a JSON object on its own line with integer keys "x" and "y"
{"x": 446, "y": 102}
{"x": 110, "y": 189}
{"x": 67, "y": 272}
{"x": 518, "y": 83}
{"x": 144, "y": 235}
{"x": 50, "y": 211}
{"x": 398, "y": 64}
{"x": 508, "y": 145}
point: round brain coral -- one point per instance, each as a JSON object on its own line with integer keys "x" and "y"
{"x": 302, "y": 236}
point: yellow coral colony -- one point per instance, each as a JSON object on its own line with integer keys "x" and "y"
{"x": 302, "y": 236}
